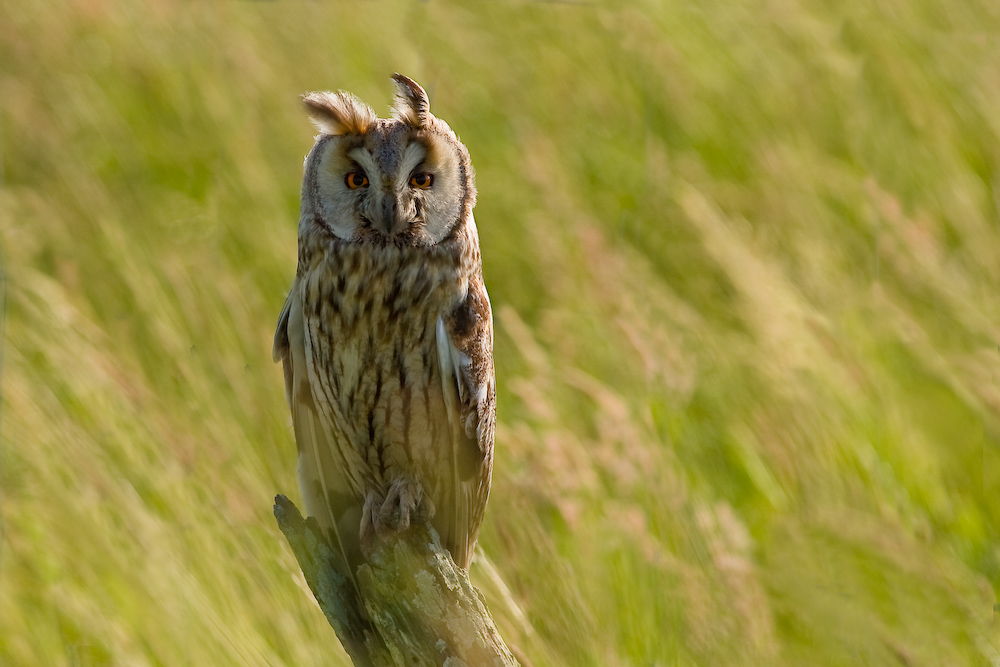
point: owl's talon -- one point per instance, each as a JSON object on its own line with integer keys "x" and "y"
{"x": 403, "y": 500}
{"x": 370, "y": 522}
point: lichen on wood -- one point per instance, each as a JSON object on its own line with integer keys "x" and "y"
{"x": 412, "y": 604}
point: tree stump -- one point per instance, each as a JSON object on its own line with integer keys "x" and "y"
{"x": 412, "y": 605}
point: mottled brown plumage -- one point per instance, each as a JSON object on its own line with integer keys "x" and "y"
{"x": 386, "y": 337}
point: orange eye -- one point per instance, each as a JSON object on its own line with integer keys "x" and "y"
{"x": 355, "y": 180}
{"x": 422, "y": 180}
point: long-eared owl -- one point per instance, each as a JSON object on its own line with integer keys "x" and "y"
{"x": 386, "y": 337}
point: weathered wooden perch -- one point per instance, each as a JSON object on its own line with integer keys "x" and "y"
{"x": 412, "y": 605}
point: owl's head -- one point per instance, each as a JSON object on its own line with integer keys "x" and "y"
{"x": 405, "y": 180}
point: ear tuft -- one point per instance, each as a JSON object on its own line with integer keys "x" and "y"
{"x": 410, "y": 104}
{"x": 338, "y": 113}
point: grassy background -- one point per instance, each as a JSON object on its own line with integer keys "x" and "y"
{"x": 744, "y": 259}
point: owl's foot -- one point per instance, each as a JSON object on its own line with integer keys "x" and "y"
{"x": 404, "y": 502}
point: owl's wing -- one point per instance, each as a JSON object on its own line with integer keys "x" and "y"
{"x": 465, "y": 354}
{"x": 324, "y": 485}
{"x": 280, "y": 351}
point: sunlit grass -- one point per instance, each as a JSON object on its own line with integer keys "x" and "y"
{"x": 744, "y": 261}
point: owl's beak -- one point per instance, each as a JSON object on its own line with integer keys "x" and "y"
{"x": 392, "y": 214}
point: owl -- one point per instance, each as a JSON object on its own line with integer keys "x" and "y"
{"x": 386, "y": 338}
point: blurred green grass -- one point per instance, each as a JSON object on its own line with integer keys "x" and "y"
{"x": 744, "y": 259}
